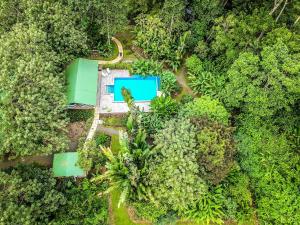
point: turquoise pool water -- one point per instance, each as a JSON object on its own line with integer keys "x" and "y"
{"x": 141, "y": 88}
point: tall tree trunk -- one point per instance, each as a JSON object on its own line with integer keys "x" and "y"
{"x": 297, "y": 20}
{"x": 285, "y": 3}
{"x": 171, "y": 25}
{"x": 108, "y": 35}
{"x": 275, "y": 7}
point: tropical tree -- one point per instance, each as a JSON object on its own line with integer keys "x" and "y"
{"x": 26, "y": 190}
{"x": 216, "y": 150}
{"x": 164, "y": 107}
{"x": 203, "y": 77}
{"x": 173, "y": 168}
{"x": 168, "y": 83}
{"x": 32, "y": 104}
{"x": 126, "y": 170}
{"x": 147, "y": 67}
{"x": 262, "y": 145}
{"x": 206, "y": 107}
{"x": 266, "y": 83}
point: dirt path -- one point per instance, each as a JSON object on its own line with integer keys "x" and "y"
{"x": 181, "y": 79}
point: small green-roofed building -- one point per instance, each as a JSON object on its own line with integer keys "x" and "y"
{"x": 82, "y": 78}
{"x": 65, "y": 165}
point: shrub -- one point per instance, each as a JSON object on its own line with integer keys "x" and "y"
{"x": 149, "y": 211}
{"x": 208, "y": 209}
{"x": 90, "y": 156}
{"x": 169, "y": 84}
{"x": 116, "y": 121}
{"x": 237, "y": 197}
{"x": 216, "y": 150}
{"x": 102, "y": 139}
{"x": 173, "y": 168}
{"x": 76, "y": 115}
{"x": 120, "y": 66}
{"x": 206, "y": 107}
{"x": 151, "y": 122}
{"x": 147, "y": 67}
{"x": 164, "y": 107}
{"x": 84, "y": 206}
{"x": 24, "y": 191}
{"x": 203, "y": 77}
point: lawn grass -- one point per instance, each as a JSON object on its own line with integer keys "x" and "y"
{"x": 115, "y": 145}
{"x": 119, "y": 214}
{"x": 115, "y": 121}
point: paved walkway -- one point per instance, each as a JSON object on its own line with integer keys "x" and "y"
{"x": 96, "y": 120}
{"x": 120, "y": 55}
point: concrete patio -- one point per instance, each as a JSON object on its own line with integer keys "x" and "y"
{"x": 107, "y": 105}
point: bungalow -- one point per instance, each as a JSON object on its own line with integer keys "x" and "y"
{"x": 82, "y": 83}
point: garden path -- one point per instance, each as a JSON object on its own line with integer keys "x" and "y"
{"x": 120, "y": 55}
{"x": 97, "y": 121}
{"x": 181, "y": 79}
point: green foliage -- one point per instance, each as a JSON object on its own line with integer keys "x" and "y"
{"x": 148, "y": 211}
{"x": 120, "y": 66}
{"x": 164, "y": 107}
{"x": 147, "y": 67}
{"x": 24, "y": 192}
{"x": 169, "y": 85}
{"x": 266, "y": 83}
{"x": 102, "y": 139}
{"x": 91, "y": 157}
{"x": 276, "y": 188}
{"x": 173, "y": 169}
{"x": 127, "y": 97}
{"x": 115, "y": 121}
{"x": 58, "y": 20}
{"x": 203, "y": 77}
{"x": 172, "y": 14}
{"x": 206, "y": 107}
{"x": 155, "y": 37}
{"x": 99, "y": 20}
{"x": 125, "y": 170}
{"x": 84, "y": 205}
{"x": 234, "y": 33}
{"x": 30, "y": 195}
{"x": 237, "y": 203}
{"x": 76, "y": 115}
{"x": 216, "y": 150}
{"x": 151, "y": 122}
{"x": 203, "y": 14}
{"x": 208, "y": 209}
{"x": 32, "y": 112}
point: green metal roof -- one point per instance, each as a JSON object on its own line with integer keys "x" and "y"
{"x": 82, "y": 77}
{"x": 65, "y": 165}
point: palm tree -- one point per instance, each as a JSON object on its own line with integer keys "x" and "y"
{"x": 126, "y": 170}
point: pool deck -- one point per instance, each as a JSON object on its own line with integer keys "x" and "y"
{"x": 107, "y": 105}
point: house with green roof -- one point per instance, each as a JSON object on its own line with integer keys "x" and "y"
{"x": 82, "y": 83}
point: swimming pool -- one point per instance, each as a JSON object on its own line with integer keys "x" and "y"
{"x": 141, "y": 88}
